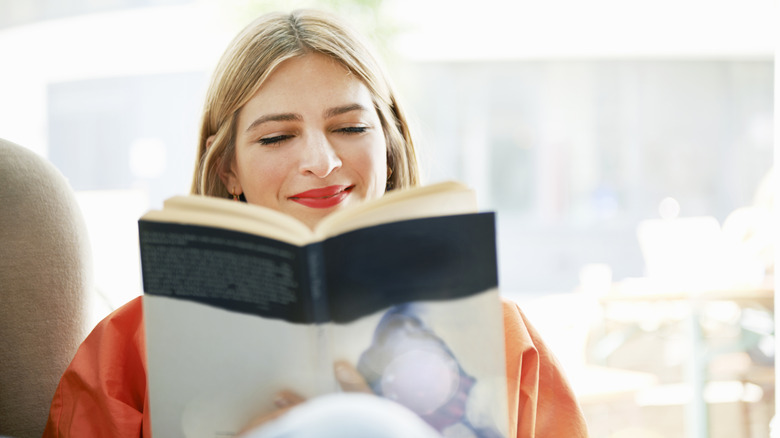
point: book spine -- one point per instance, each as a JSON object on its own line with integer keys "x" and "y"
{"x": 315, "y": 293}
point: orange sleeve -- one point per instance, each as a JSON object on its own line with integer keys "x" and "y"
{"x": 541, "y": 402}
{"x": 103, "y": 391}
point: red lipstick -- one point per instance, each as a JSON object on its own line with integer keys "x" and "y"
{"x": 325, "y": 197}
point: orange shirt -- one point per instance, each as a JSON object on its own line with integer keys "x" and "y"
{"x": 541, "y": 402}
{"x": 103, "y": 391}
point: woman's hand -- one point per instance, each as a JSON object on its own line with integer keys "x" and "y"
{"x": 284, "y": 401}
{"x": 346, "y": 374}
{"x": 349, "y": 378}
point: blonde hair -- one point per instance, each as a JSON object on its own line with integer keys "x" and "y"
{"x": 251, "y": 58}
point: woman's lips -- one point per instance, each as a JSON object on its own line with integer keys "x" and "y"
{"x": 325, "y": 197}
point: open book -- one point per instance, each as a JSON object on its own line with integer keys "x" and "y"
{"x": 242, "y": 301}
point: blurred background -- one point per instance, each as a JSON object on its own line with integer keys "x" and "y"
{"x": 627, "y": 147}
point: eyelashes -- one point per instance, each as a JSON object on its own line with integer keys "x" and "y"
{"x": 267, "y": 141}
{"x": 278, "y": 139}
{"x": 353, "y": 130}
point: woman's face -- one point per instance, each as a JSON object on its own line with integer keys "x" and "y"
{"x": 309, "y": 142}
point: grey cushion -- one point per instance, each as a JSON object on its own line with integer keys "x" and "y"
{"x": 45, "y": 279}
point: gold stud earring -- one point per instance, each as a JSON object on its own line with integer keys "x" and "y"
{"x": 233, "y": 192}
{"x": 388, "y": 183}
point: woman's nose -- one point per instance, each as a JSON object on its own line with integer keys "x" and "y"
{"x": 319, "y": 157}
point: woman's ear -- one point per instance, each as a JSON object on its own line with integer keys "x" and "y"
{"x": 229, "y": 178}
{"x": 226, "y": 172}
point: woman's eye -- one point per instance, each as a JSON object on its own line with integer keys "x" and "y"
{"x": 273, "y": 140}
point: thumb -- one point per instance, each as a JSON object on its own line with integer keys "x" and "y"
{"x": 349, "y": 378}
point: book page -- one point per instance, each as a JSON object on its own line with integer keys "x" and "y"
{"x": 239, "y": 216}
{"x": 441, "y": 199}
{"x": 211, "y": 371}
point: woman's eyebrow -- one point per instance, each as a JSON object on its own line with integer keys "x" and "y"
{"x": 338, "y": 110}
{"x": 284, "y": 117}
{"x": 293, "y": 117}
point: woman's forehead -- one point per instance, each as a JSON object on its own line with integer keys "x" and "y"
{"x": 309, "y": 81}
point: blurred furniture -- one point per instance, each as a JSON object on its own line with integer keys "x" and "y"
{"x": 45, "y": 279}
{"x": 565, "y": 320}
{"x": 645, "y": 291}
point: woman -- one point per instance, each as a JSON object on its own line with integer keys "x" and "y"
{"x": 300, "y": 118}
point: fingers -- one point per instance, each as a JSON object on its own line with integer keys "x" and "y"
{"x": 349, "y": 378}
{"x": 284, "y": 401}
{"x": 287, "y": 399}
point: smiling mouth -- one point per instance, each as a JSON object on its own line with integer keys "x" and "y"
{"x": 325, "y": 197}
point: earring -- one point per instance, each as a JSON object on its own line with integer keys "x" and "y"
{"x": 389, "y": 183}
{"x": 233, "y": 192}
